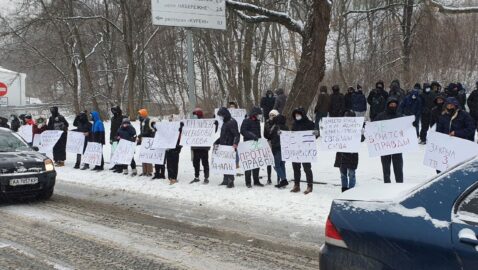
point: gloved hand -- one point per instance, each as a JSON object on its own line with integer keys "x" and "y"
{"x": 316, "y": 133}
{"x": 279, "y": 132}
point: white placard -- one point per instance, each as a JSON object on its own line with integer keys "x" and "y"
{"x": 93, "y": 154}
{"x": 255, "y": 154}
{"x": 48, "y": 140}
{"x": 37, "y": 140}
{"x": 223, "y": 160}
{"x": 198, "y": 132}
{"x": 190, "y": 13}
{"x": 391, "y": 136}
{"x": 298, "y": 146}
{"x": 167, "y": 135}
{"x": 26, "y": 132}
{"x": 147, "y": 154}
{"x": 341, "y": 134}
{"x": 124, "y": 153}
{"x": 444, "y": 152}
{"x": 238, "y": 114}
{"x": 75, "y": 142}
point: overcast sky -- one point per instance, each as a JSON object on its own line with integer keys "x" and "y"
{"x": 7, "y": 6}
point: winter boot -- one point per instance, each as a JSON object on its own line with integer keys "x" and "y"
{"x": 230, "y": 184}
{"x": 134, "y": 173}
{"x": 258, "y": 184}
{"x": 224, "y": 182}
{"x": 248, "y": 185}
{"x": 172, "y": 181}
{"x": 85, "y": 167}
{"x": 194, "y": 181}
{"x": 344, "y": 189}
{"x": 156, "y": 176}
{"x": 60, "y": 164}
{"x": 118, "y": 170}
{"x": 295, "y": 189}
{"x": 206, "y": 181}
{"x": 77, "y": 166}
{"x": 308, "y": 190}
{"x": 282, "y": 184}
{"x": 97, "y": 168}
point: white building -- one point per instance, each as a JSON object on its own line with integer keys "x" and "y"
{"x": 12, "y": 88}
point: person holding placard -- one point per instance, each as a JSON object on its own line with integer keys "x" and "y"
{"x": 229, "y": 136}
{"x": 200, "y": 154}
{"x": 146, "y": 131}
{"x": 251, "y": 131}
{"x": 84, "y": 126}
{"x": 456, "y": 122}
{"x": 302, "y": 123}
{"x": 391, "y": 112}
{"x": 159, "y": 169}
{"x": 278, "y": 125}
{"x": 58, "y": 122}
{"x": 126, "y": 132}
{"x": 267, "y": 134}
{"x": 115, "y": 121}
{"x": 172, "y": 158}
{"x": 98, "y": 135}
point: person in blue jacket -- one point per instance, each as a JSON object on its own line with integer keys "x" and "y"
{"x": 359, "y": 102}
{"x": 412, "y": 105}
{"x": 456, "y": 122}
{"x": 98, "y": 135}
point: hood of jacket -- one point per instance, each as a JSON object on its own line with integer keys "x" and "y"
{"x": 255, "y": 111}
{"x": 279, "y": 91}
{"x": 300, "y": 111}
{"x": 95, "y": 116}
{"x": 224, "y": 112}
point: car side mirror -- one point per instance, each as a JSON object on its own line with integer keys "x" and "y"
{"x": 35, "y": 148}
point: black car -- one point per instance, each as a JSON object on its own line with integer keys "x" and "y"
{"x": 24, "y": 173}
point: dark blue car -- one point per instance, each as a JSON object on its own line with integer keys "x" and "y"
{"x": 430, "y": 226}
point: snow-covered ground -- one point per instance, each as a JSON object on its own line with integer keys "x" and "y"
{"x": 266, "y": 202}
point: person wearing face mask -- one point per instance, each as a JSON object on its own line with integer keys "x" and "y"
{"x": 251, "y": 131}
{"x": 267, "y": 134}
{"x": 278, "y": 125}
{"x": 377, "y": 100}
{"x": 436, "y": 87}
{"x": 84, "y": 126}
{"x": 267, "y": 103}
{"x": 145, "y": 132}
{"x": 428, "y": 102}
{"x": 229, "y": 136}
{"x": 391, "y": 112}
{"x": 456, "y": 122}
{"x": 412, "y": 105}
{"x": 4, "y": 123}
{"x": 58, "y": 122}
{"x": 302, "y": 123}
{"x": 321, "y": 109}
{"x": 337, "y": 102}
{"x": 359, "y": 102}
{"x": 396, "y": 91}
{"x": 437, "y": 109}
{"x": 126, "y": 131}
{"x": 280, "y": 101}
{"x": 14, "y": 122}
{"x": 116, "y": 121}
{"x": 473, "y": 103}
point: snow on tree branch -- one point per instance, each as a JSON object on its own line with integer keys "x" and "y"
{"x": 451, "y": 10}
{"x": 265, "y": 15}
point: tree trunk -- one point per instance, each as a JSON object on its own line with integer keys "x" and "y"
{"x": 312, "y": 63}
{"x": 407, "y": 40}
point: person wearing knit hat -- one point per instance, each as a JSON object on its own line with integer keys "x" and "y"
{"x": 145, "y": 132}
{"x": 267, "y": 134}
{"x": 456, "y": 122}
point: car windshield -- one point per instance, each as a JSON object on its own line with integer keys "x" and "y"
{"x": 11, "y": 143}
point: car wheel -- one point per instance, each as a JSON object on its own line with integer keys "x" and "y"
{"x": 45, "y": 195}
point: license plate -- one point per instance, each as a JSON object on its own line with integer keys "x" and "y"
{"x": 24, "y": 181}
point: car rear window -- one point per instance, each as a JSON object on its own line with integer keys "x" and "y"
{"x": 9, "y": 142}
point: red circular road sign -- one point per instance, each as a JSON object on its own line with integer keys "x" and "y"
{"x": 3, "y": 89}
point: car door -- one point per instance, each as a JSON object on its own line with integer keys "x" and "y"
{"x": 465, "y": 229}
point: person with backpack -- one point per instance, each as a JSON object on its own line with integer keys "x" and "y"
{"x": 229, "y": 136}
{"x": 58, "y": 122}
{"x": 377, "y": 99}
{"x": 302, "y": 123}
{"x": 126, "y": 132}
{"x": 251, "y": 131}
{"x": 359, "y": 102}
{"x": 83, "y": 126}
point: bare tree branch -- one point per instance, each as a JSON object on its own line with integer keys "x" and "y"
{"x": 451, "y": 10}
{"x": 265, "y": 15}
{"x": 92, "y": 18}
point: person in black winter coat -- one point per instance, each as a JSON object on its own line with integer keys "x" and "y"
{"x": 302, "y": 123}
{"x": 229, "y": 136}
{"x": 436, "y": 87}
{"x": 359, "y": 102}
{"x": 58, "y": 122}
{"x": 267, "y": 103}
{"x": 251, "y": 131}
{"x": 267, "y": 130}
{"x": 278, "y": 125}
{"x": 116, "y": 121}
{"x": 14, "y": 123}
{"x": 377, "y": 99}
{"x": 412, "y": 106}
{"x": 4, "y": 123}
{"x": 456, "y": 122}
{"x": 126, "y": 131}
{"x": 337, "y": 102}
{"x": 428, "y": 102}
{"x": 84, "y": 126}
{"x": 280, "y": 101}
{"x": 321, "y": 109}
{"x": 461, "y": 96}
{"x": 456, "y": 91}
{"x": 438, "y": 109}
{"x": 200, "y": 154}
{"x": 396, "y": 91}
{"x": 347, "y": 163}
{"x": 397, "y": 159}
{"x": 348, "y": 98}
{"x": 473, "y": 104}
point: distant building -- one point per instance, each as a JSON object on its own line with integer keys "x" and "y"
{"x": 12, "y": 88}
